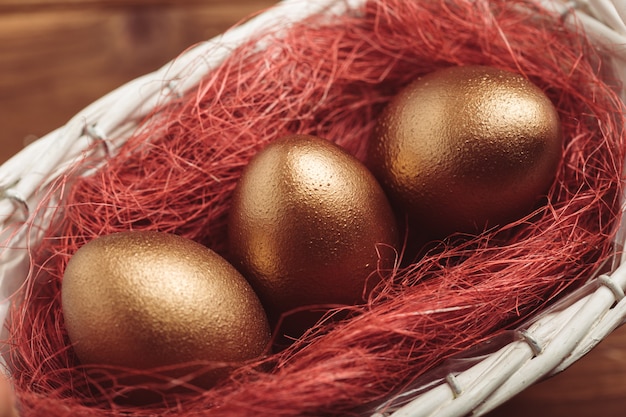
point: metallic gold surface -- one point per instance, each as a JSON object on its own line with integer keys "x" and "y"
{"x": 305, "y": 223}
{"x": 146, "y": 299}
{"x": 466, "y": 148}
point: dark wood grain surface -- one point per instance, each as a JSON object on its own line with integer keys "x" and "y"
{"x": 58, "y": 56}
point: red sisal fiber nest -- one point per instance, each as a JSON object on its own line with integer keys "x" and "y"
{"x": 330, "y": 77}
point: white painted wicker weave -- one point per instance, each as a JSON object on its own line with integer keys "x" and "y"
{"x": 543, "y": 347}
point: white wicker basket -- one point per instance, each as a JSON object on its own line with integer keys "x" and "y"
{"x": 543, "y": 347}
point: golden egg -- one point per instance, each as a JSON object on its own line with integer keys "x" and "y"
{"x": 144, "y": 300}
{"x": 310, "y": 225}
{"x": 466, "y": 148}
{"x": 7, "y": 398}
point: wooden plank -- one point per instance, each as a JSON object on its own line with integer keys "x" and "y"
{"x": 55, "y": 62}
{"x": 29, "y": 5}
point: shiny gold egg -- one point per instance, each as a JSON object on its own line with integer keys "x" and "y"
{"x": 7, "y": 398}
{"x": 466, "y": 148}
{"x": 310, "y": 225}
{"x": 144, "y": 300}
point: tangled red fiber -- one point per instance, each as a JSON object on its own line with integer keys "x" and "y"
{"x": 330, "y": 77}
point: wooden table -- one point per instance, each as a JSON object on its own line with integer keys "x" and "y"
{"x": 58, "y": 56}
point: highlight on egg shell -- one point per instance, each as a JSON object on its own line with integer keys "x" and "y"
{"x": 310, "y": 225}
{"x": 144, "y": 300}
{"x": 466, "y": 148}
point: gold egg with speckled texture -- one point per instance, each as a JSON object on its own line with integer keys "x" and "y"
{"x": 144, "y": 300}
{"x": 309, "y": 225}
{"x": 466, "y": 148}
